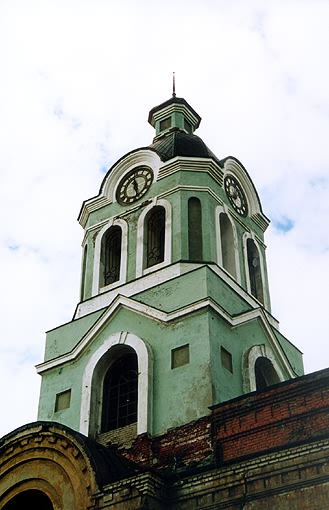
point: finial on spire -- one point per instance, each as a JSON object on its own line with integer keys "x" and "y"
{"x": 173, "y": 85}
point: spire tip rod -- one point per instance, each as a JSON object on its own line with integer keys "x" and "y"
{"x": 173, "y": 85}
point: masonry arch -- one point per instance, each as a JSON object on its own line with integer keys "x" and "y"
{"x": 94, "y": 418}
{"x": 254, "y": 269}
{"x": 31, "y": 498}
{"x": 260, "y": 369}
{"x": 110, "y": 256}
{"x": 265, "y": 373}
{"x": 41, "y": 468}
{"x": 227, "y": 243}
{"x": 154, "y": 218}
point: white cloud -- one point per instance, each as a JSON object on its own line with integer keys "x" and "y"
{"x": 78, "y": 80}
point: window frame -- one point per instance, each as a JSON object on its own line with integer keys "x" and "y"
{"x": 141, "y": 238}
{"x": 92, "y": 382}
{"x": 224, "y": 210}
{"x": 96, "y": 287}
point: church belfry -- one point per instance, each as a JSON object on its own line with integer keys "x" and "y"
{"x": 175, "y": 312}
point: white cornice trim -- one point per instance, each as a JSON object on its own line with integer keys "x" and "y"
{"x": 205, "y": 165}
{"x": 107, "y": 194}
{"x": 231, "y": 166}
{"x": 93, "y": 204}
{"x": 158, "y": 315}
{"x": 177, "y": 107}
{"x": 156, "y": 278}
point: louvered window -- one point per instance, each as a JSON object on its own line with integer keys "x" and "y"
{"x": 111, "y": 256}
{"x": 155, "y": 236}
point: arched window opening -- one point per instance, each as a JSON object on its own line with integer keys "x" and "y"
{"x": 194, "y": 229}
{"x": 31, "y": 498}
{"x": 227, "y": 244}
{"x": 83, "y": 275}
{"x": 265, "y": 373}
{"x": 110, "y": 256}
{"x": 255, "y": 274}
{"x": 155, "y": 236}
{"x": 120, "y": 393}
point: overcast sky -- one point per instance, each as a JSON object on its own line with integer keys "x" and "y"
{"x": 78, "y": 78}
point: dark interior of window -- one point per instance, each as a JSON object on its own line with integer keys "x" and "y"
{"x": 227, "y": 244}
{"x": 155, "y": 236}
{"x": 194, "y": 229}
{"x": 111, "y": 256}
{"x": 120, "y": 392}
{"x": 265, "y": 373}
{"x": 255, "y": 275}
{"x": 83, "y": 276}
{"x": 30, "y": 499}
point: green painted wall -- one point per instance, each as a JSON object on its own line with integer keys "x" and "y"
{"x": 185, "y": 393}
{"x": 180, "y": 395}
{"x": 178, "y": 201}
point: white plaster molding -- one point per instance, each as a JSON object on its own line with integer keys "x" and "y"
{"x": 145, "y": 381}
{"x": 224, "y": 209}
{"x": 232, "y": 167}
{"x": 156, "y": 278}
{"x": 137, "y": 158}
{"x": 141, "y": 238}
{"x": 203, "y": 165}
{"x": 107, "y": 195}
{"x": 91, "y": 205}
{"x": 131, "y": 288}
{"x": 248, "y": 365}
{"x": 97, "y": 255}
{"x": 153, "y": 313}
{"x": 246, "y": 236}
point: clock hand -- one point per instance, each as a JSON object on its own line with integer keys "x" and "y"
{"x": 135, "y": 184}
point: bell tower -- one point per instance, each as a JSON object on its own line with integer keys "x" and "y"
{"x": 175, "y": 311}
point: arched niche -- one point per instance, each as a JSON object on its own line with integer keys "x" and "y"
{"x": 195, "y": 236}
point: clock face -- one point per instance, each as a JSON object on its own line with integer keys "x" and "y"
{"x": 134, "y": 185}
{"x": 236, "y": 195}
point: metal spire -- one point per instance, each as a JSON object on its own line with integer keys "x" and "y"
{"x": 173, "y": 85}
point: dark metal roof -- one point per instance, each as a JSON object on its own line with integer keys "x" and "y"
{"x": 179, "y": 143}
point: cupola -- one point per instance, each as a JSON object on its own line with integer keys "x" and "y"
{"x": 174, "y": 114}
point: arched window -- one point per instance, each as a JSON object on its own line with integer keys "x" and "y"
{"x": 260, "y": 368}
{"x": 120, "y": 393}
{"x": 31, "y": 498}
{"x": 265, "y": 373}
{"x": 110, "y": 260}
{"x": 155, "y": 236}
{"x": 194, "y": 229}
{"x": 227, "y": 244}
{"x": 255, "y": 274}
{"x": 99, "y": 367}
{"x": 83, "y": 274}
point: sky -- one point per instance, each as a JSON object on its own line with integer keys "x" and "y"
{"x": 78, "y": 78}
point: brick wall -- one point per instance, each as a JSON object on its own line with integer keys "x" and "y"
{"x": 291, "y": 413}
{"x": 179, "y": 448}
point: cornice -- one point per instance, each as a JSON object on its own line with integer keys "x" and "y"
{"x": 164, "y": 317}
